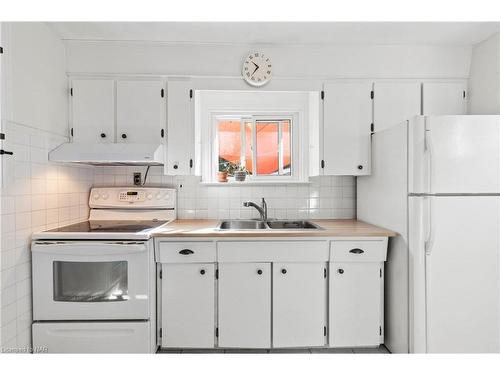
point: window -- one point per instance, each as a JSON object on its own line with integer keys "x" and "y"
{"x": 268, "y": 134}
{"x": 263, "y": 146}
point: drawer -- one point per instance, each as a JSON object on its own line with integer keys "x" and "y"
{"x": 186, "y": 252}
{"x": 358, "y": 251}
{"x": 273, "y": 251}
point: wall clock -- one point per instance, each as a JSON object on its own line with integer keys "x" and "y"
{"x": 257, "y": 69}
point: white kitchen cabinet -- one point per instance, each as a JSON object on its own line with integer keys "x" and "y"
{"x": 188, "y": 305}
{"x": 93, "y": 110}
{"x": 356, "y": 286}
{"x": 299, "y": 304}
{"x": 355, "y": 304}
{"x": 347, "y": 119}
{"x": 395, "y": 102}
{"x": 180, "y": 127}
{"x": 244, "y": 311}
{"x": 140, "y": 111}
{"x": 444, "y": 98}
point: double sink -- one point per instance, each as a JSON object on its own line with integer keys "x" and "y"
{"x": 267, "y": 225}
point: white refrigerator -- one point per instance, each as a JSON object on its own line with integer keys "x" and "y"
{"x": 436, "y": 181}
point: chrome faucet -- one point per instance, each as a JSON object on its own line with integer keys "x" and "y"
{"x": 262, "y": 209}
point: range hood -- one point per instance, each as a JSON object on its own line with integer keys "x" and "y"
{"x": 109, "y": 154}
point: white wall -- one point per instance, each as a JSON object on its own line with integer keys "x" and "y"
{"x": 484, "y": 82}
{"x": 35, "y": 195}
{"x": 289, "y": 61}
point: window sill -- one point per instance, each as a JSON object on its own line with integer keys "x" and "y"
{"x": 255, "y": 183}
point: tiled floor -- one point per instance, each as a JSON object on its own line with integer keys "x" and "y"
{"x": 380, "y": 350}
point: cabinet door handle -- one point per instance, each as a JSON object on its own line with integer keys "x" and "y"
{"x": 283, "y": 271}
{"x": 186, "y": 252}
{"x": 356, "y": 251}
{"x": 259, "y": 272}
{"x": 340, "y": 270}
{"x": 103, "y": 135}
{"x": 202, "y": 272}
{"x": 124, "y": 136}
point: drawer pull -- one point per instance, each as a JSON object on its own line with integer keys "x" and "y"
{"x": 340, "y": 270}
{"x": 186, "y": 252}
{"x": 259, "y": 272}
{"x": 202, "y": 272}
{"x": 356, "y": 251}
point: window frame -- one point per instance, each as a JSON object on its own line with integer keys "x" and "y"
{"x": 254, "y": 117}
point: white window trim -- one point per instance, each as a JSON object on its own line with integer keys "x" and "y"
{"x": 212, "y": 104}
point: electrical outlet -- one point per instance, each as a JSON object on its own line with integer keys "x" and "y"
{"x": 137, "y": 179}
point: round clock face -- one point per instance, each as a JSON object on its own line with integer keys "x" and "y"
{"x": 257, "y": 69}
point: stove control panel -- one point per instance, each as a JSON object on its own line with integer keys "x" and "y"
{"x": 127, "y": 197}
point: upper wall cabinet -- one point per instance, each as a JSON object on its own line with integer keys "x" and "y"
{"x": 347, "y": 119}
{"x": 139, "y": 106}
{"x": 395, "y": 102}
{"x": 180, "y": 127}
{"x": 444, "y": 98}
{"x": 140, "y": 111}
{"x": 93, "y": 110}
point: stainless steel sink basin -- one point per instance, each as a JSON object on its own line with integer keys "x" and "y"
{"x": 292, "y": 224}
{"x": 242, "y": 225}
{"x": 269, "y": 225}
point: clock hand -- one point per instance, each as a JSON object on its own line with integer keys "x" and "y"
{"x": 256, "y": 68}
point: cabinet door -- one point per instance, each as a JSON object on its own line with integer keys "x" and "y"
{"x": 299, "y": 304}
{"x": 244, "y": 305}
{"x": 444, "y": 98}
{"x": 140, "y": 111}
{"x": 347, "y": 127}
{"x": 93, "y": 110}
{"x": 355, "y": 304}
{"x": 395, "y": 102}
{"x": 188, "y": 305}
{"x": 180, "y": 128}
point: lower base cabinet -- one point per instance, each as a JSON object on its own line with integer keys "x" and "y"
{"x": 299, "y": 305}
{"x": 188, "y": 305}
{"x": 356, "y": 299}
{"x": 244, "y": 306}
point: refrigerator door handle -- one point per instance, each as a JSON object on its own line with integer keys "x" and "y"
{"x": 428, "y": 157}
{"x": 430, "y": 226}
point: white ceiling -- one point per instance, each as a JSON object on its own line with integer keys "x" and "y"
{"x": 441, "y": 33}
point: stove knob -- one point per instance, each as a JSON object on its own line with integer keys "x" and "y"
{"x": 105, "y": 196}
{"x": 96, "y": 196}
{"x": 158, "y": 196}
{"x": 150, "y": 196}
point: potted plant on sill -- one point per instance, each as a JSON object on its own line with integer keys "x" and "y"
{"x": 240, "y": 173}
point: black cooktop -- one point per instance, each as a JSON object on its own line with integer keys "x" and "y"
{"x": 109, "y": 226}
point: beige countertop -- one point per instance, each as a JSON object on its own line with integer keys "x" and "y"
{"x": 332, "y": 228}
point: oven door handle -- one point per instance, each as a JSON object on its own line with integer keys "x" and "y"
{"x": 89, "y": 248}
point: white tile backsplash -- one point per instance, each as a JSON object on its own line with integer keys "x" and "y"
{"x": 35, "y": 195}
{"x": 325, "y": 197}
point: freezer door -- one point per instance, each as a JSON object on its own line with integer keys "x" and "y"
{"x": 463, "y": 154}
{"x": 462, "y": 243}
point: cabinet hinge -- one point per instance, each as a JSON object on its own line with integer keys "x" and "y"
{"x": 2, "y": 136}
{"x": 161, "y": 332}
{"x": 322, "y": 164}
{"x": 380, "y": 330}
{"x": 217, "y": 332}
{"x": 191, "y": 94}
{"x": 162, "y": 93}
{"x": 217, "y": 274}
{"x": 162, "y": 133}
{"x": 161, "y": 274}
{"x": 372, "y": 94}
{"x": 324, "y": 331}
{"x": 190, "y": 163}
{"x": 381, "y": 272}
{"x": 71, "y": 131}
{"x": 322, "y": 95}
{"x": 1, "y": 49}
{"x": 324, "y": 273}
{"x": 464, "y": 94}
{"x": 372, "y": 127}
{"x": 71, "y": 91}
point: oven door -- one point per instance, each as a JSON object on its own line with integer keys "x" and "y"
{"x": 91, "y": 280}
